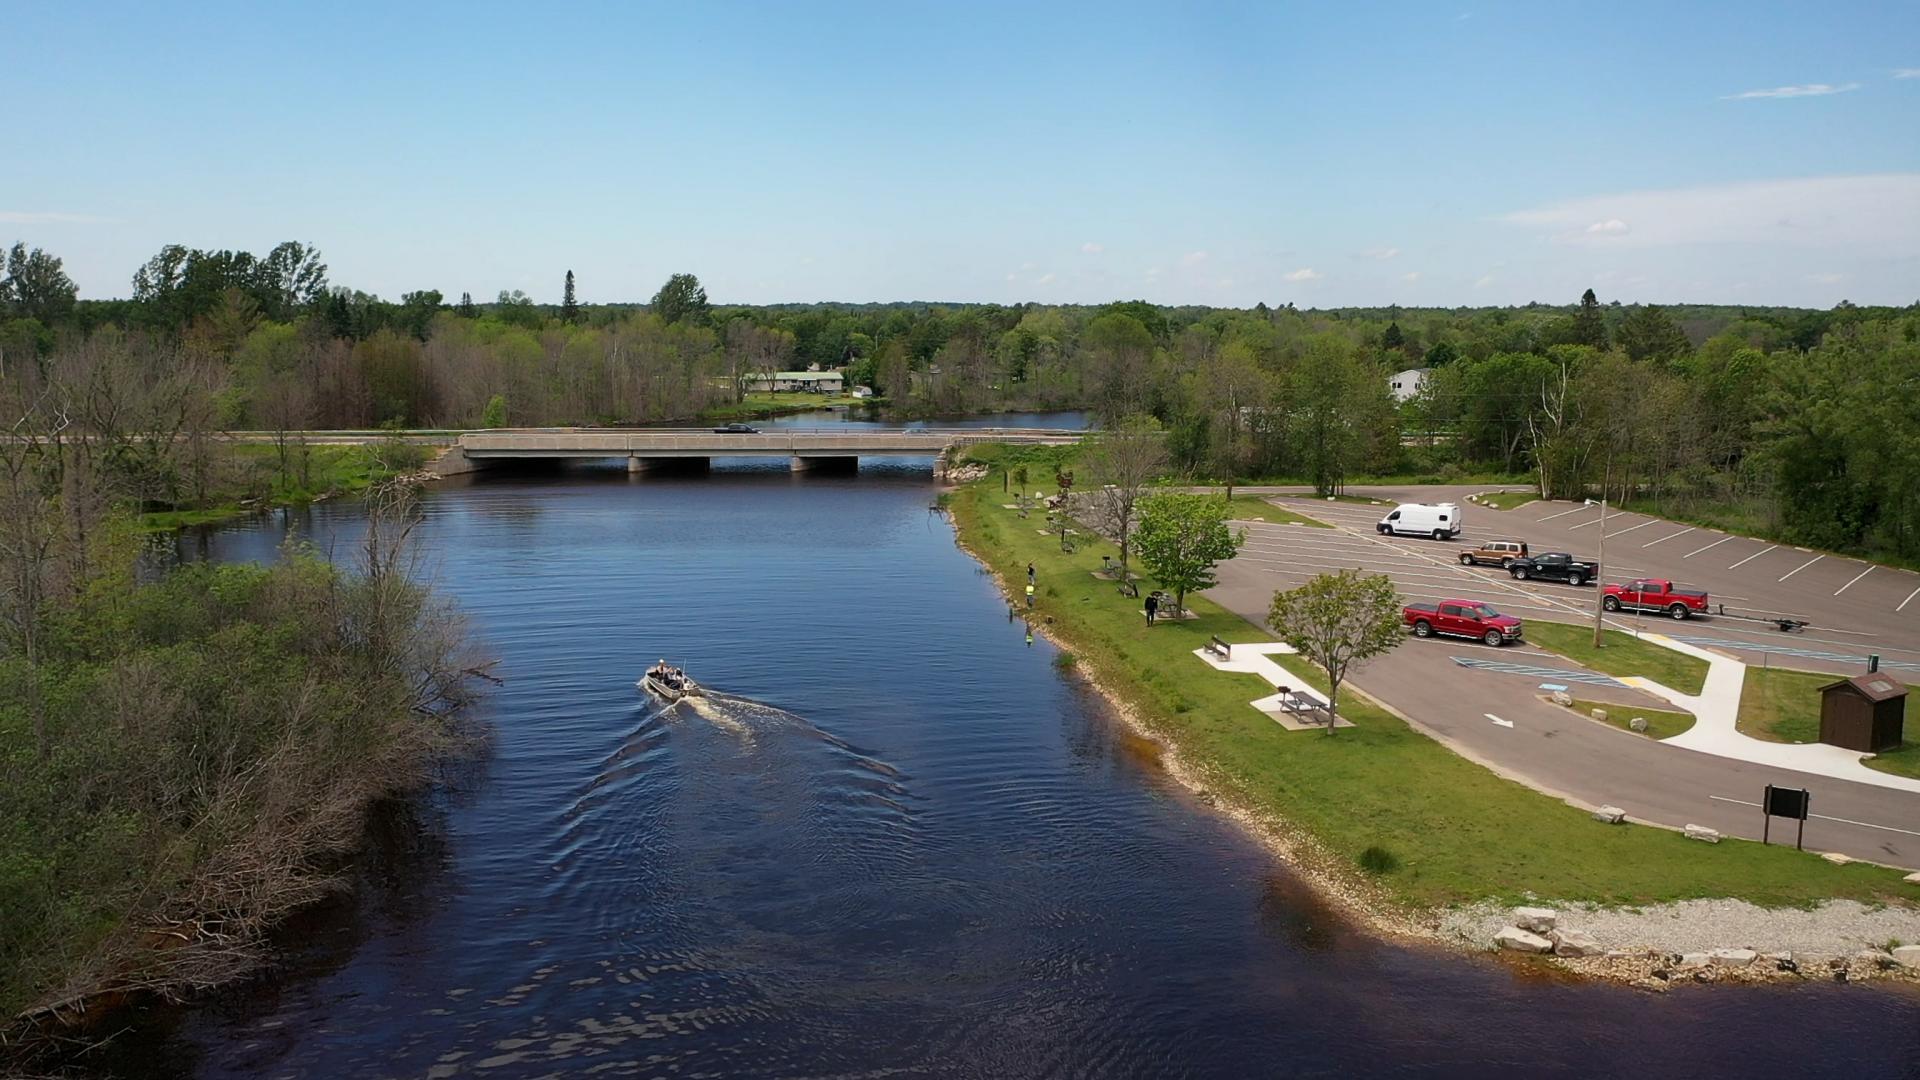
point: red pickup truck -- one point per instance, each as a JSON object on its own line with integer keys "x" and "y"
{"x": 1462, "y": 618}
{"x": 1654, "y": 594}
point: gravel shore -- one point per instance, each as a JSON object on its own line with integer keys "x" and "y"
{"x": 1835, "y": 928}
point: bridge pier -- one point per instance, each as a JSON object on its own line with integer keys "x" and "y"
{"x": 823, "y": 463}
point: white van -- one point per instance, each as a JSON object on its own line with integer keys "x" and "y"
{"x": 1438, "y": 520}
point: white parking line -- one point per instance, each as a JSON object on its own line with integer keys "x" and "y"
{"x": 1801, "y": 567}
{"x": 1642, "y": 525}
{"x": 1823, "y": 817}
{"x": 1709, "y": 547}
{"x": 1584, "y": 524}
{"x": 1564, "y": 513}
{"x": 1668, "y": 537}
{"x": 1849, "y": 584}
{"x": 1750, "y": 558}
{"x": 1908, "y": 600}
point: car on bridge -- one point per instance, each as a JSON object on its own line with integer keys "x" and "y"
{"x": 1554, "y": 566}
{"x": 736, "y": 429}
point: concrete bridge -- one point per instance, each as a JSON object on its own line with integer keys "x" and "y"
{"x": 804, "y": 448}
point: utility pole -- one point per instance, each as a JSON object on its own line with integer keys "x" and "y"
{"x": 1600, "y": 578}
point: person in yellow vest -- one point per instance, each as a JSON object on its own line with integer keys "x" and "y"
{"x": 1029, "y": 594}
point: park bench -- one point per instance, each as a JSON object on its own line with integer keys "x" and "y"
{"x": 1219, "y": 648}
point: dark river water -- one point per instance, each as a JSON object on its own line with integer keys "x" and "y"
{"x": 901, "y": 844}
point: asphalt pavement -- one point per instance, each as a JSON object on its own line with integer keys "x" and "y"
{"x": 1499, "y": 718}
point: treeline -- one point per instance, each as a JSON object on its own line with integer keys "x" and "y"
{"x": 1789, "y": 421}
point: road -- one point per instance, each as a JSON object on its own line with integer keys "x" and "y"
{"x": 1551, "y": 748}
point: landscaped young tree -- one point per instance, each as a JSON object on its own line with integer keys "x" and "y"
{"x": 1063, "y": 478}
{"x": 1338, "y": 621}
{"x": 1182, "y": 538}
{"x": 1123, "y": 462}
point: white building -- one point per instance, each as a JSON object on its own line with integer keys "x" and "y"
{"x": 817, "y": 382}
{"x": 1405, "y": 384}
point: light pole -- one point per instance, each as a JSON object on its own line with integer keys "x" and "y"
{"x": 1600, "y": 576}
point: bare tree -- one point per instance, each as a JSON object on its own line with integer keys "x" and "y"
{"x": 1123, "y": 462}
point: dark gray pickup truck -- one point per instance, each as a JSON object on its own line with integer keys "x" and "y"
{"x": 1554, "y": 566}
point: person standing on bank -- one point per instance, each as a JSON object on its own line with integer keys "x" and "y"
{"x": 1153, "y": 607}
{"x": 1029, "y": 594}
{"x": 1029, "y": 573}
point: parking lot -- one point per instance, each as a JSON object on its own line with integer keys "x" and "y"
{"x": 1487, "y": 703}
{"x": 1852, "y": 608}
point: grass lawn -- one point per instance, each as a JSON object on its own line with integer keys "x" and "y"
{"x": 773, "y": 403}
{"x": 1256, "y": 508}
{"x": 1661, "y": 724}
{"x": 1784, "y": 706}
{"x": 1623, "y": 655}
{"x": 1507, "y": 500}
{"x": 1451, "y": 824}
{"x": 253, "y": 473}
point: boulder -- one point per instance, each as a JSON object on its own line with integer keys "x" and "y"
{"x": 1689, "y": 961}
{"x": 1537, "y": 919}
{"x": 1836, "y": 858}
{"x": 1907, "y": 956}
{"x": 1735, "y": 958}
{"x": 1561, "y": 697}
{"x": 1612, "y": 815}
{"x": 1574, "y": 943}
{"x": 1600, "y": 714}
{"x": 1913, "y": 878}
{"x": 1520, "y": 940}
{"x": 1877, "y": 957}
{"x": 1638, "y": 723}
{"x": 1701, "y": 832}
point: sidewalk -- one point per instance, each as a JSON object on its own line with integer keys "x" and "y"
{"x": 1717, "y": 709}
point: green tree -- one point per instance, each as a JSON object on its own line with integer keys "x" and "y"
{"x": 1338, "y": 621}
{"x": 1649, "y": 333}
{"x": 466, "y": 310}
{"x": 1589, "y": 325}
{"x": 569, "y": 307}
{"x": 495, "y": 415}
{"x": 36, "y": 287}
{"x": 1182, "y": 538}
{"x": 681, "y": 298}
{"x": 1123, "y": 461}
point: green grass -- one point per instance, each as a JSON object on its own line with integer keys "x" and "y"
{"x": 776, "y": 403}
{"x": 1507, "y": 500}
{"x": 1623, "y": 655}
{"x": 1443, "y": 825}
{"x": 1661, "y": 724}
{"x": 1257, "y": 508}
{"x": 254, "y": 479}
{"x": 1784, "y": 706}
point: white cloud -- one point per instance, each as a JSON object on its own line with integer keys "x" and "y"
{"x": 1045, "y": 279}
{"x": 1410, "y": 276}
{"x": 1305, "y": 273}
{"x": 40, "y": 217}
{"x": 1906, "y": 73}
{"x": 1864, "y": 216}
{"x": 1610, "y": 227}
{"x": 1803, "y": 90}
{"x": 1380, "y": 253}
{"x": 1193, "y": 258}
{"x": 1012, "y": 277}
{"x": 1484, "y": 282}
{"x": 1091, "y": 248}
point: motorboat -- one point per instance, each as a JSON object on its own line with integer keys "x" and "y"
{"x": 668, "y": 683}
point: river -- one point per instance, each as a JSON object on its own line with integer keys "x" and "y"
{"x": 902, "y": 843}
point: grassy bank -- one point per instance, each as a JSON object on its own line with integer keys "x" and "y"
{"x": 1256, "y": 508}
{"x": 1661, "y": 724}
{"x": 1623, "y": 655}
{"x": 781, "y": 403}
{"x": 248, "y": 477}
{"x": 1456, "y": 831}
{"x": 1507, "y": 500}
{"x": 1784, "y": 706}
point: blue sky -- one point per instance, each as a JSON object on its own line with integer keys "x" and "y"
{"x": 1220, "y": 154}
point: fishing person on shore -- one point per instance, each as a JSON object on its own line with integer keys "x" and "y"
{"x": 1029, "y": 595}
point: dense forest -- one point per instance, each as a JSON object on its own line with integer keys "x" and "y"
{"x": 1802, "y": 424}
